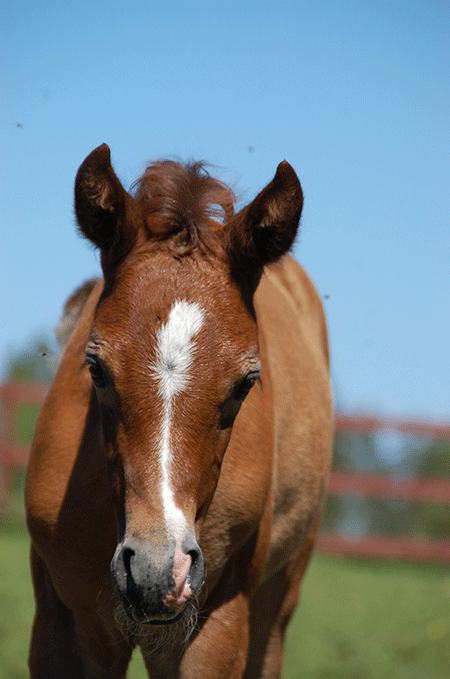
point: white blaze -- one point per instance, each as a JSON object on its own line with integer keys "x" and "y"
{"x": 174, "y": 355}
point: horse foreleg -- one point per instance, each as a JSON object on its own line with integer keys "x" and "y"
{"x": 218, "y": 649}
{"x": 58, "y": 650}
{"x": 271, "y": 610}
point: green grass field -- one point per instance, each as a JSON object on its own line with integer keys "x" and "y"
{"x": 356, "y": 620}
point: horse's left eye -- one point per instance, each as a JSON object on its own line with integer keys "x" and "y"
{"x": 230, "y": 408}
{"x": 241, "y": 390}
{"x": 96, "y": 370}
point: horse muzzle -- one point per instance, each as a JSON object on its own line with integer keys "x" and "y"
{"x": 156, "y": 581}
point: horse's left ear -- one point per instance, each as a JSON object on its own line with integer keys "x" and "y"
{"x": 265, "y": 230}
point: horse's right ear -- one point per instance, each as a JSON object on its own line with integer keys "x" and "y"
{"x": 102, "y": 206}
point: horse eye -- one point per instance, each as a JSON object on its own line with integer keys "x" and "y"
{"x": 241, "y": 390}
{"x": 97, "y": 374}
{"x": 230, "y": 408}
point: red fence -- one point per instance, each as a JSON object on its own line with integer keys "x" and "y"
{"x": 430, "y": 490}
{"x": 389, "y": 488}
{"x": 12, "y": 396}
{"x": 371, "y": 424}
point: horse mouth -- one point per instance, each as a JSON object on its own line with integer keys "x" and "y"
{"x": 138, "y": 615}
{"x": 155, "y": 633}
{"x": 162, "y": 621}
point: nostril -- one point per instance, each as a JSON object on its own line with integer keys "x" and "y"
{"x": 127, "y": 555}
{"x": 193, "y": 553}
{"x": 196, "y": 569}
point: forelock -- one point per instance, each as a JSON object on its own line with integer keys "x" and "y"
{"x": 179, "y": 200}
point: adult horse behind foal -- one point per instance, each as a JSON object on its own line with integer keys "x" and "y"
{"x": 178, "y": 468}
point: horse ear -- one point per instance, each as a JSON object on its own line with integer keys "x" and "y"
{"x": 102, "y": 205}
{"x": 265, "y": 230}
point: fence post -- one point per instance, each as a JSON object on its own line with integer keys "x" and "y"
{"x": 8, "y": 436}
{"x": 13, "y": 453}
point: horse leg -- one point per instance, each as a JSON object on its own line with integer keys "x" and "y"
{"x": 271, "y": 610}
{"x": 58, "y": 650}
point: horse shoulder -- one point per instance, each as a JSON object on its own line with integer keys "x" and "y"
{"x": 292, "y": 327}
{"x": 64, "y": 434}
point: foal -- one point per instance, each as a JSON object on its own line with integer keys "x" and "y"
{"x": 178, "y": 468}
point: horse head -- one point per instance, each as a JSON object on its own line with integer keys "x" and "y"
{"x": 173, "y": 354}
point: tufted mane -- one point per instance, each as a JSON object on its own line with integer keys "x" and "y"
{"x": 178, "y": 200}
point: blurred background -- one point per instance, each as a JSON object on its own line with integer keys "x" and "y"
{"x": 355, "y": 95}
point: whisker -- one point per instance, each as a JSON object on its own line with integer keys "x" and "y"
{"x": 160, "y": 640}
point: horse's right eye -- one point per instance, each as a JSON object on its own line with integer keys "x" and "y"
{"x": 96, "y": 370}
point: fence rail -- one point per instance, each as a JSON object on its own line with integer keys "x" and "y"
{"x": 374, "y": 424}
{"x": 384, "y": 547}
{"x": 429, "y": 490}
{"x": 382, "y": 486}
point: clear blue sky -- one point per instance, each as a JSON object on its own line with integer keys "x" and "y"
{"x": 355, "y": 95}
